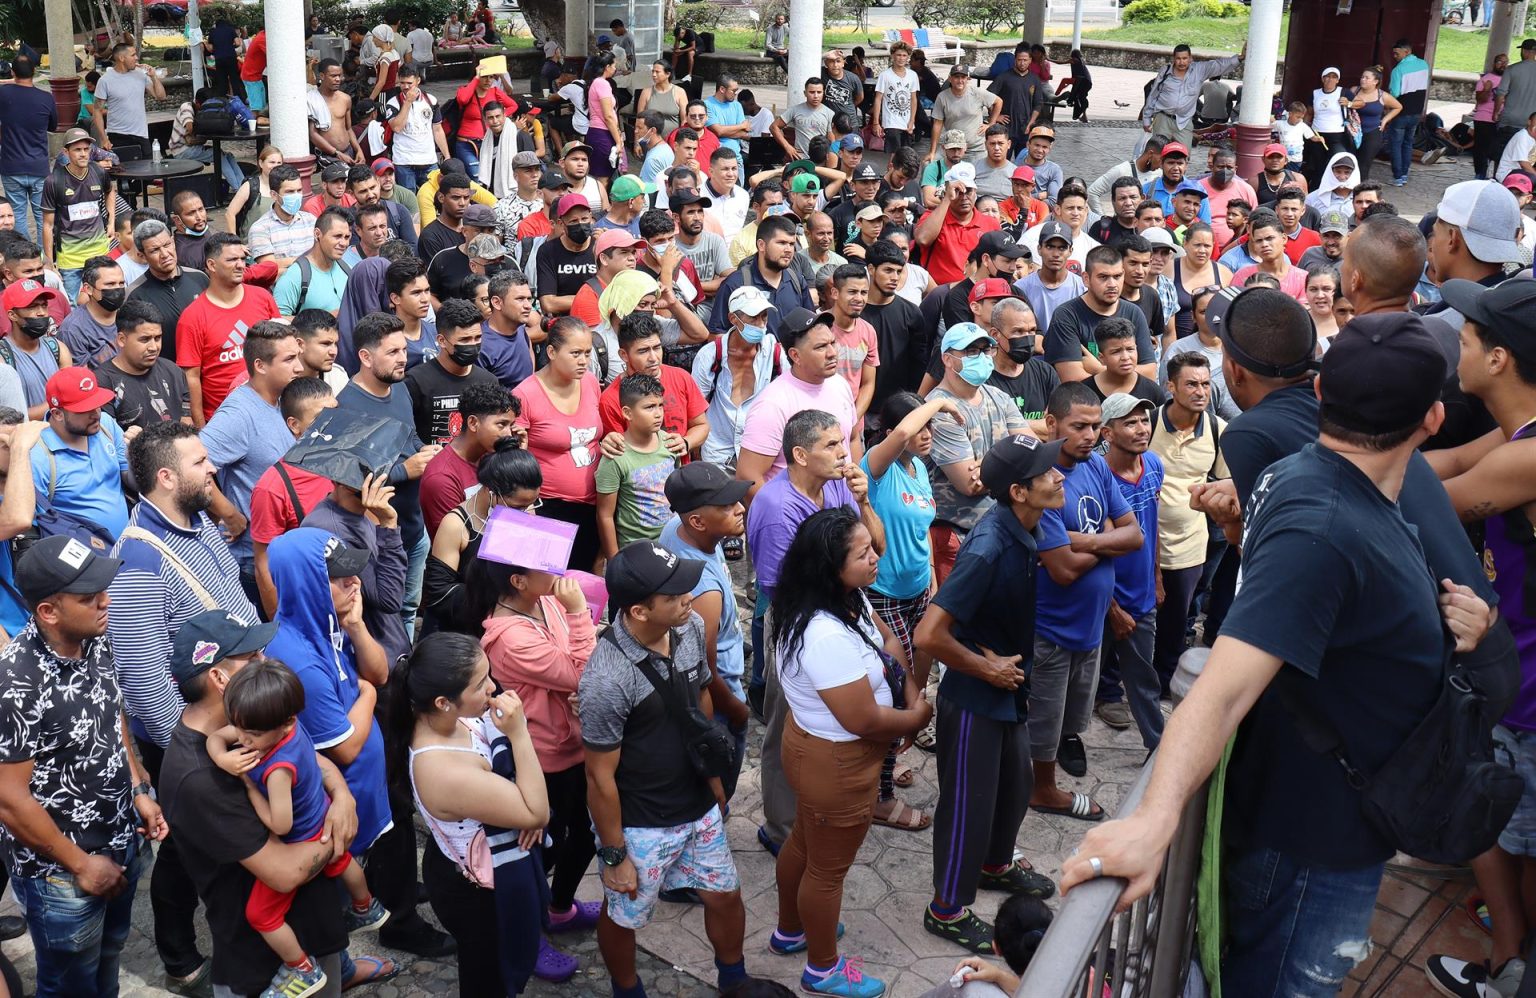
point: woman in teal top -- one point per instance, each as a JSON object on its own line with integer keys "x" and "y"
{"x": 902, "y": 496}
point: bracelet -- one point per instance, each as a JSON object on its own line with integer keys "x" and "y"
{"x": 143, "y": 790}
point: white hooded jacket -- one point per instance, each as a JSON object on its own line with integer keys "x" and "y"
{"x": 1333, "y": 193}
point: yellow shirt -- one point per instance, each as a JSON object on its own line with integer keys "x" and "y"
{"x": 1189, "y": 457}
{"x": 426, "y": 197}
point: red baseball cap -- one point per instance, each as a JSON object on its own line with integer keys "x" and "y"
{"x": 992, "y": 287}
{"x": 1274, "y": 149}
{"x": 24, "y": 293}
{"x": 1518, "y": 182}
{"x": 570, "y": 201}
{"x": 74, "y": 389}
{"x": 1024, "y": 173}
{"x": 381, "y": 164}
{"x": 1175, "y": 149}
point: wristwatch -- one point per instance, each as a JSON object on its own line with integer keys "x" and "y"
{"x": 612, "y": 855}
{"x": 143, "y": 790}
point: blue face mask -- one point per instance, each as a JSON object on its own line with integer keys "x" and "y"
{"x": 976, "y": 370}
{"x": 754, "y": 334}
{"x": 292, "y": 203}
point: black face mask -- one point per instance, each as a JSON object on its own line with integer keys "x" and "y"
{"x": 35, "y": 327}
{"x": 1021, "y": 348}
{"x": 465, "y": 354}
{"x": 112, "y": 299}
{"x": 580, "y": 232}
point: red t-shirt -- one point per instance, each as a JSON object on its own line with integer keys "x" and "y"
{"x": 213, "y": 339}
{"x": 1304, "y": 240}
{"x": 272, "y": 512}
{"x": 535, "y": 225}
{"x": 947, "y": 257}
{"x": 255, "y": 65}
{"x": 584, "y": 305}
{"x": 443, "y": 485}
{"x": 708, "y": 143}
{"x": 315, "y": 203}
{"x": 471, "y": 124}
{"x": 683, "y": 403}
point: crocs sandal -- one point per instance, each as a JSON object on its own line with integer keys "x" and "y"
{"x": 1477, "y": 910}
{"x": 1082, "y": 808}
{"x": 905, "y": 817}
{"x": 968, "y": 931}
{"x": 1019, "y": 879}
{"x": 554, "y": 966}
{"x": 582, "y": 915}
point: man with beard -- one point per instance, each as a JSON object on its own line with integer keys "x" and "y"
{"x": 1113, "y": 230}
{"x": 771, "y": 269}
{"x": 190, "y": 216}
{"x": 166, "y": 285}
{"x": 707, "y": 251}
{"x": 150, "y": 388}
{"x": 367, "y": 189}
{"x": 87, "y": 452}
{"x": 175, "y": 565}
{"x": 90, "y": 330}
{"x": 1070, "y": 343}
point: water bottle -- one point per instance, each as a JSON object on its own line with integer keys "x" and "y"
{"x": 154, "y": 151}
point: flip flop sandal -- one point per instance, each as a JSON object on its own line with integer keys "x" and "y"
{"x": 1477, "y": 910}
{"x": 767, "y": 843}
{"x": 554, "y": 966}
{"x": 1081, "y": 808}
{"x": 926, "y": 740}
{"x": 906, "y": 818}
{"x": 377, "y": 975}
{"x": 904, "y": 777}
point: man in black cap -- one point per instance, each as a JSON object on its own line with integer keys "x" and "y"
{"x": 994, "y": 256}
{"x": 224, "y": 844}
{"x": 866, "y": 186}
{"x": 1363, "y": 652}
{"x": 707, "y": 502}
{"x": 644, "y": 694}
{"x": 75, "y": 804}
{"x": 981, "y": 624}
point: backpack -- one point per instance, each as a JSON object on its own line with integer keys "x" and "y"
{"x": 718, "y": 362}
{"x": 8, "y": 352}
{"x": 599, "y": 344}
{"x": 52, "y": 522}
{"x": 453, "y": 117}
{"x": 307, "y": 271}
{"x": 215, "y": 117}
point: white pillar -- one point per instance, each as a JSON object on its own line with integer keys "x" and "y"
{"x": 285, "y": 77}
{"x": 195, "y": 47}
{"x": 1258, "y": 83}
{"x": 1077, "y": 24}
{"x": 805, "y": 41}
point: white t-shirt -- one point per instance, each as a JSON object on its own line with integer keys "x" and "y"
{"x": 1293, "y": 137}
{"x": 413, "y": 144}
{"x": 915, "y": 285}
{"x": 831, "y": 656}
{"x": 1518, "y": 149}
{"x": 577, "y": 95}
{"x": 760, "y": 122}
{"x": 898, "y": 111}
{"x": 1327, "y": 115}
{"x": 421, "y": 45}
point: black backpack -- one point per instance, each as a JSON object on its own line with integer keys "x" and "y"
{"x": 214, "y": 117}
{"x": 307, "y": 271}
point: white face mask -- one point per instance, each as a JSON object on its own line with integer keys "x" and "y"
{"x": 660, "y": 249}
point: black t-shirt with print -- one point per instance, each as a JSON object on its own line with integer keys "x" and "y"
{"x": 1030, "y": 388}
{"x": 1145, "y": 388}
{"x": 562, "y": 272}
{"x": 157, "y": 396}
{"x": 435, "y": 399}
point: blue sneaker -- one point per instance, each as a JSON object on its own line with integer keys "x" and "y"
{"x": 846, "y": 980}
{"x": 786, "y": 947}
{"x": 291, "y": 982}
{"x": 362, "y": 921}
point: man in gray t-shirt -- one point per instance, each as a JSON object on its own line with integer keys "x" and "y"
{"x": 1516, "y": 92}
{"x": 809, "y": 119}
{"x": 120, "y": 96}
{"x": 968, "y": 109}
{"x": 1222, "y": 402}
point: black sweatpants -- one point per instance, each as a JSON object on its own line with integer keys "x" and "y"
{"x": 985, "y": 781}
{"x": 172, "y": 896}
{"x": 570, "y": 828}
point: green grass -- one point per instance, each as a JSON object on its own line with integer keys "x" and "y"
{"x": 1461, "y": 51}
{"x": 743, "y": 40}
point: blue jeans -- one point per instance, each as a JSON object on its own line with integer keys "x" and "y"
{"x": 467, "y": 153}
{"x": 78, "y": 937}
{"x": 26, "y": 192}
{"x": 413, "y": 577}
{"x": 1294, "y": 930}
{"x": 233, "y": 176}
{"x": 1400, "y": 135}
{"x": 412, "y": 177}
{"x": 71, "y": 280}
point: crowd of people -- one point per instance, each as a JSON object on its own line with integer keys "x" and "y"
{"x": 982, "y": 440}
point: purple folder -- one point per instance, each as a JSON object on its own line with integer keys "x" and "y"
{"x": 541, "y": 543}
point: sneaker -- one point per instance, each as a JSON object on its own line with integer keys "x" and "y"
{"x": 789, "y": 947}
{"x": 1507, "y": 981}
{"x": 1116, "y": 714}
{"x": 846, "y": 980}
{"x": 1399, "y": 181}
{"x": 1072, "y": 756}
{"x": 968, "y": 930}
{"x": 734, "y": 549}
{"x": 1433, "y": 156}
{"x": 362, "y": 921}
{"x": 1459, "y": 978}
{"x": 1019, "y": 880}
{"x": 291, "y": 982}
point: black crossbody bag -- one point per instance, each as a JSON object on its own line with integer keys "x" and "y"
{"x": 709, "y": 746}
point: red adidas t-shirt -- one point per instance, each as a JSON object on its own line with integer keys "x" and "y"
{"x": 212, "y": 339}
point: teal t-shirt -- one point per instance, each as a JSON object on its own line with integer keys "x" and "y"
{"x": 325, "y": 288}
{"x": 640, "y": 478}
{"x": 904, "y": 502}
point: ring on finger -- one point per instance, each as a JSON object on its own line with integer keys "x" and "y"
{"x": 1097, "y": 865}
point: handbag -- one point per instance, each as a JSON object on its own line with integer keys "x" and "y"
{"x": 709, "y": 746}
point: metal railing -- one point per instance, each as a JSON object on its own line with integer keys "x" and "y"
{"x": 1141, "y": 953}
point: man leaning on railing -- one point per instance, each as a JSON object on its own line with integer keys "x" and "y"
{"x": 1335, "y": 587}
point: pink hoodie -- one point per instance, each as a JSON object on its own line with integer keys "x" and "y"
{"x": 543, "y": 665}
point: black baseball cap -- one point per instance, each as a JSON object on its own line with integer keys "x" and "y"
{"x": 553, "y": 180}
{"x": 1507, "y": 310}
{"x": 1381, "y": 374}
{"x": 334, "y": 172}
{"x": 341, "y": 561}
{"x": 701, "y": 483}
{"x": 998, "y": 244}
{"x": 1016, "y": 459}
{"x": 685, "y": 197}
{"x": 62, "y": 564}
{"x": 645, "y": 569}
{"x": 798, "y": 320}
{"x": 866, "y": 171}
{"x": 210, "y": 637}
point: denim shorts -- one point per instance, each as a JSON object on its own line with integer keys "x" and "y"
{"x": 1517, "y": 750}
{"x": 694, "y": 855}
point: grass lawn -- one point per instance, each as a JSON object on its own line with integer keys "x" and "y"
{"x": 743, "y": 40}
{"x": 1456, "y": 50}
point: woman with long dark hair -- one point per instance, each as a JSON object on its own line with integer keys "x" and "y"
{"x": 663, "y": 97}
{"x": 454, "y": 594}
{"x": 471, "y": 765}
{"x": 1376, "y": 108}
{"x": 1484, "y": 126}
{"x": 845, "y": 679}
{"x": 604, "y": 133}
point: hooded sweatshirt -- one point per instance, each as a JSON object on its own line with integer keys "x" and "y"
{"x": 1333, "y": 193}
{"x": 311, "y": 642}
{"x": 542, "y": 662}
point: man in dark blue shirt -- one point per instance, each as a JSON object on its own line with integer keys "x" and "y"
{"x": 1336, "y": 586}
{"x": 226, "y": 60}
{"x": 982, "y": 625}
{"x": 27, "y": 115}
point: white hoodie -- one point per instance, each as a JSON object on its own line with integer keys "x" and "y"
{"x": 1328, "y": 197}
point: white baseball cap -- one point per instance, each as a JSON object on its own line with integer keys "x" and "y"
{"x": 1332, "y": 69}
{"x": 1488, "y": 216}
{"x": 1161, "y": 238}
{"x": 750, "y": 301}
{"x": 961, "y": 173}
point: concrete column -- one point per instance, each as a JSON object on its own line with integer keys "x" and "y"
{"x": 1501, "y": 28}
{"x": 62, "y": 77}
{"x": 195, "y": 47}
{"x": 285, "y": 81}
{"x": 578, "y": 25}
{"x": 1258, "y": 84}
{"x": 1034, "y": 21}
{"x": 1077, "y": 24}
{"x": 805, "y": 45}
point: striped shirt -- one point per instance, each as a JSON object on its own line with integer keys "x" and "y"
{"x": 151, "y": 599}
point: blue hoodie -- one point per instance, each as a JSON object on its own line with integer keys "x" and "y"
{"x": 310, "y": 641}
